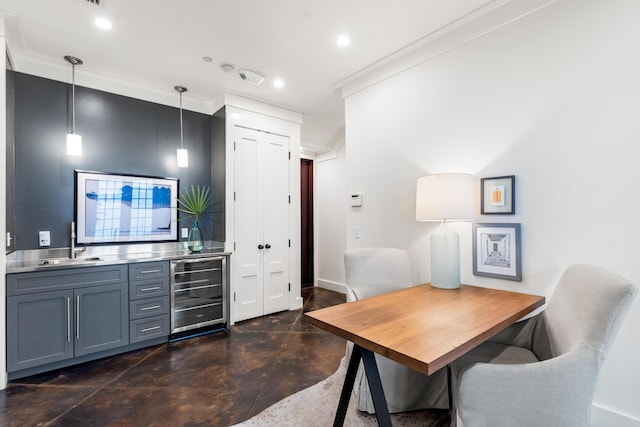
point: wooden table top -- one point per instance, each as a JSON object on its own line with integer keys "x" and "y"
{"x": 423, "y": 327}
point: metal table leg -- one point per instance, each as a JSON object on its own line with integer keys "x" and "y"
{"x": 375, "y": 385}
{"x": 347, "y": 387}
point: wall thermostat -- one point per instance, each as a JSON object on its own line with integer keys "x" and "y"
{"x": 356, "y": 200}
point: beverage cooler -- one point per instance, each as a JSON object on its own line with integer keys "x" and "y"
{"x": 198, "y": 294}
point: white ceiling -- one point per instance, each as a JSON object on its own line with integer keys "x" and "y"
{"x": 161, "y": 43}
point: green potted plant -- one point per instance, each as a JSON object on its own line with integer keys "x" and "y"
{"x": 194, "y": 202}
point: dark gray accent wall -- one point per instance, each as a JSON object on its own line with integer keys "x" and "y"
{"x": 119, "y": 134}
{"x": 218, "y": 171}
{"x": 9, "y": 171}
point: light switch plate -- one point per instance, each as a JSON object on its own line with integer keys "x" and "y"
{"x": 45, "y": 238}
{"x": 185, "y": 232}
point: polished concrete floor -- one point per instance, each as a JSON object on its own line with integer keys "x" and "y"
{"x": 213, "y": 380}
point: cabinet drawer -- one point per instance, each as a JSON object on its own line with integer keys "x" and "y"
{"x": 139, "y": 309}
{"x": 149, "y": 270}
{"x": 149, "y": 288}
{"x": 196, "y": 317}
{"x": 68, "y": 278}
{"x": 149, "y": 328}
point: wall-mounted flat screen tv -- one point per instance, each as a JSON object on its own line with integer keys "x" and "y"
{"x": 113, "y": 208}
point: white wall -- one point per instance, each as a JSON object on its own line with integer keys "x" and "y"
{"x": 330, "y": 210}
{"x": 552, "y": 97}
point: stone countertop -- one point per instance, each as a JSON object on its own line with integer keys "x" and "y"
{"x": 43, "y": 260}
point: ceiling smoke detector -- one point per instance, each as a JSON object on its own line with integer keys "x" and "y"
{"x": 251, "y": 76}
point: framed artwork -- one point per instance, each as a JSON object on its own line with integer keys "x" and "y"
{"x": 498, "y": 195}
{"x": 496, "y": 251}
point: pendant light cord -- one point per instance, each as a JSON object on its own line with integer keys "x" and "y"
{"x": 73, "y": 61}
{"x": 73, "y": 98}
{"x": 181, "y": 90}
{"x": 181, "y": 134}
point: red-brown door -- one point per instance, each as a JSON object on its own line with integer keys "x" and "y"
{"x": 306, "y": 209}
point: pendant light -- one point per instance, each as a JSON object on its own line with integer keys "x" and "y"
{"x": 183, "y": 156}
{"x": 74, "y": 141}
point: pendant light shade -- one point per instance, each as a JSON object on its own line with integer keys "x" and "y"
{"x": 74, "y": 141}
{"x": 182, "y": 154}
{"x": 74, "y": 144}
{"x": 183, "y": 158}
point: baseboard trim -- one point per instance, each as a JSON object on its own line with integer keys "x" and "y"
{"x": 332, "y": 286}
{"x": 602, "y": 416}
{"x": 297, "y": 303}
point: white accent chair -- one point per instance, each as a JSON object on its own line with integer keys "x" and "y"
{"x": 543, "y": 371}
{"x": 374, "y": 271}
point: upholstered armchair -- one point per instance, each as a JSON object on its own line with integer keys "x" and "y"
{"x": 374, "y": 271}
{"x": 543, "y": 371}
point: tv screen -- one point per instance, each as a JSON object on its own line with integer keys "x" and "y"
{"x": 114, "y": 208}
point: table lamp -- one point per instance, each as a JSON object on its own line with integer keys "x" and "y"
{"x": 445, "y": 197}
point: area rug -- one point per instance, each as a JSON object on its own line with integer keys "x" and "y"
{"x": 316, "y": 406}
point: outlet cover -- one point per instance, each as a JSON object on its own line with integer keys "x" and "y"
{"x": 45, "y": 238}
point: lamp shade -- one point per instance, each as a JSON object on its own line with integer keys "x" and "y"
{"x": 447, "y": 196}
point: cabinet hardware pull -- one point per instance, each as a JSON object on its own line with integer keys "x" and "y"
{"x": 68, "y": 319}
{"x": 260, "y": 247}
{"x": 268, "y": 246}
{"x": 150, "y": 329}
{"x": 150, "y": 271}
{"x": 155, "y": 288}
{"x": 77, "y": 317}
{"x": 155, "y": 307}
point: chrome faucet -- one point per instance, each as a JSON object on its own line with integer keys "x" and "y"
{"x": 73, "y": 250}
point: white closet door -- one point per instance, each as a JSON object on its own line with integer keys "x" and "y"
{"x": 274, "y": 171}
{"x": 261, "y": 223}
{"x": 248, "y": 228}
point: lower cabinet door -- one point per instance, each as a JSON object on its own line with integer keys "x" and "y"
{"x": 39, "y": 329}
{"x": 101, "y": 318}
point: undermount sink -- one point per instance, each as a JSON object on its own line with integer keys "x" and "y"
{"x": 89, "y": 258}
{"x": 59, "y": 261}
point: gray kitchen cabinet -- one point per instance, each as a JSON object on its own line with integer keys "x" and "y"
{"x": 102, "y": 318}
{"x": 61, "y": 314}
{"x": 149, "y": 304}
{"x": 39, "y": 328}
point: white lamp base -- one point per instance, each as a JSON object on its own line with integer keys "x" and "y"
{"x": 445, "y": 259}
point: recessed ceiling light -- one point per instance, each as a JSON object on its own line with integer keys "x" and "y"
{"x": 226, "y": 67}
{"x": 343, "y": 40}
{"x": 103, "y": 23}
{"x": 207, "y": 59}
{"x": 278, "y": 83}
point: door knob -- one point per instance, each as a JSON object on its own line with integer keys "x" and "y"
{"x": 260, "y": 247}
{"x": 268, "y": 246}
